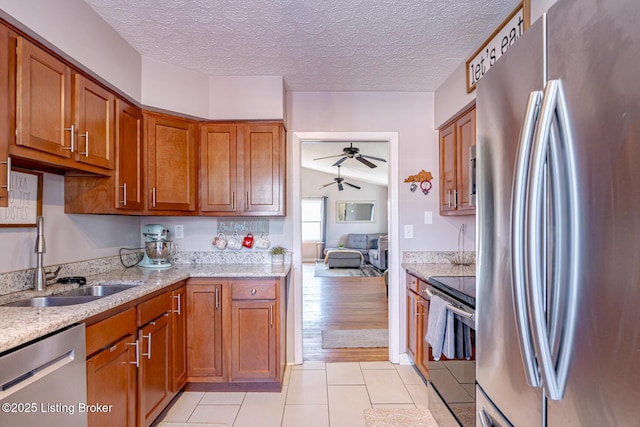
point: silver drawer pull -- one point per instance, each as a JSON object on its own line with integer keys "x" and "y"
{"x": 253, "y": 291}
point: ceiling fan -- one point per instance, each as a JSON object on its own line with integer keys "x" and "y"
{"x": 339, "y": 181}
{"x": 351, "y": 152}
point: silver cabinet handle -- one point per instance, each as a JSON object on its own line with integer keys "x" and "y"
{"x": 271, "y": 315}
{"x": 73, "y": 138}
{"x": 148, "y": 337}
{"x": 86, "y": 146}
{"x": 253, "y": 291}
{"x": 246, "y": 201}
{"x": 553, "y": 170}
{"x": 178, "y": 297}
{"x": 449, "y": 198}
{"x": 485, "y": 419}
{"x": 217, "y": 299}
{"x": 137, "y": 362}
{"x": 520, "y": 280}
{"x": 124, "y": 194}
{"x": 233, "y": 200}
{"x": 455, "y": 198}
{"x": 8, "y": 163}
{"x": 153, "y": 197}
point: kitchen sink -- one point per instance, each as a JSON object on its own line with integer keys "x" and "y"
{"x": 95, "y": 290}
{"x": 52, "y": 301}
{"x": 72, "y": 297}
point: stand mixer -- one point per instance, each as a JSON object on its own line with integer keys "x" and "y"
{"x": 156, "y": 248}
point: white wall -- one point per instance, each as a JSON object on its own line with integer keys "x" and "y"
{"x": 409, "y": 114}
{"x": 246, "y": 98}
{"x": 312, "y": 180}
{"x": 73, "y": 28}
{"x": 173, "y": 88}
{"x": 68, "y": 238}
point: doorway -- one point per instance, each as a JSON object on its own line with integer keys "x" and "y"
{"x": 393, "y": 300}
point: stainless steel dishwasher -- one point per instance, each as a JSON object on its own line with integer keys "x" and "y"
{"x": 44, "y": 382}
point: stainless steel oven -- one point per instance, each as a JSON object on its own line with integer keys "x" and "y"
{"x": 452, "y": 381}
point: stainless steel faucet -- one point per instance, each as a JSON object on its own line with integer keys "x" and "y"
{"x": 40, "y": 276}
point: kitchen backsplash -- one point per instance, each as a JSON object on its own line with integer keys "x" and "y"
{"x": 22, "y": 280}
{"x": 433, "y": 257}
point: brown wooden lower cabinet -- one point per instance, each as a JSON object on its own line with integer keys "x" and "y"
{"x": 111, "y": 380}
{"x": 417, "y": 317}
{"x": 178, "y": 339}
{"x": 253, "y": 340}
{"x": 154, "y": 346}
{"x": 204, "y": 330}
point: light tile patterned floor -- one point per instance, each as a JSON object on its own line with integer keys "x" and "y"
{"x": 314, "y": 395}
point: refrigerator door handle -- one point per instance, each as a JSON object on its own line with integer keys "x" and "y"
{"x": 553, "y": 157}
{"x": 518, "y": 246}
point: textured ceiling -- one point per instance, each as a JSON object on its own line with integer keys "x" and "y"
{"x": 316, "y": 45}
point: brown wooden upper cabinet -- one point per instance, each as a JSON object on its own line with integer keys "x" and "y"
{"x": 455, "y": 140}
{"x": 129, "y": 160}
{"x": 242, "y": 169}
{"x": 56, "y": 124}
{"x": 170, "y": 164}
{"x": 5, "y": 163}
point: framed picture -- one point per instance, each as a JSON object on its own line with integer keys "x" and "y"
{"x": 25, "y": 199}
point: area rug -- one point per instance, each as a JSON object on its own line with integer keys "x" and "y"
{"x": 388, "y": 417}
{"x": 355, "y": 338}
{"x": 365, "y": 271}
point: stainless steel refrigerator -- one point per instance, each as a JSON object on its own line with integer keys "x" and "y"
{"x": 558, "y": 274}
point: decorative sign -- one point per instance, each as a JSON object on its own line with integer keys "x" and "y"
{"x": 25, "y": 199}
{"x": 497, "y": 45}
{"x": 243, "y": 227}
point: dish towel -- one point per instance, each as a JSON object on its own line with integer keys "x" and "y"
{"x": 437, "y": 327}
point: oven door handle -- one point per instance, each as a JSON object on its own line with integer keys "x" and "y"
{"x": 452, "y": 308}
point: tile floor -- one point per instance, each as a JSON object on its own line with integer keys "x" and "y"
{"x": 314, "y": 394}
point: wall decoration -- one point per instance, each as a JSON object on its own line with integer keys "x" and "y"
{"x": 424, "y": 178}
{"x": 497, "y": 44}
{"x": 243, "y": 227}
{"x": 25, "y": 199}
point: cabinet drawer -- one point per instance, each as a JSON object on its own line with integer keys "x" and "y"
{"x": 149, "y": 310}
{"x": 253, "y": 290}
{"x": 104, "y": 333}
{"x": 412, "y": 283}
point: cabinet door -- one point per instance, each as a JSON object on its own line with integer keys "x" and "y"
{"x": 153, "y": 373}
{"x": 129, "y": 181}
{"x": 263, "y": 169}
{"x": 204, "y": 330}
{"x": 218, "y": 168}
{"x": 253, "y": 340}
{"x": 94, "y": 112}
{"x": 171, "y": 164}
{"x": 5, "y": 120}
{"x": 43, "y": 101}
{"x": 447, "y": 168}
{"x": 412, "y": 324}
{"x": 465, "y": 138}
{"x": 179, "y": 339}
{"x": 111, "y": 380}
{"x": 422, "y": 356}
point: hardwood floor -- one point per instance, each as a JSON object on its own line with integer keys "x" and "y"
{"x": 342, "y": 303}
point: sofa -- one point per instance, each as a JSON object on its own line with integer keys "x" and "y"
{"x": 374, "y": 248}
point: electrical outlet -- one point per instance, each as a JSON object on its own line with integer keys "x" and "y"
{"x": 408, "y": 231}
{"x": 178, "y": 232}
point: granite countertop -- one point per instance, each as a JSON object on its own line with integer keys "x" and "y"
{"x": 20, "y": 325}
{"x": 423, "y": 270}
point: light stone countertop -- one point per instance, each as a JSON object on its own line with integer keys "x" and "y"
{"x": 19, "y": 325}
{"x": 425, "y": 270}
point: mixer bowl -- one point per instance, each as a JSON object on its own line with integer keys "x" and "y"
{"x": 159, "y": 251}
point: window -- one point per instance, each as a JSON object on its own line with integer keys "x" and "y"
{"x": 312, "y": 220}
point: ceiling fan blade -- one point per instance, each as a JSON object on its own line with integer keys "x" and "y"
{"x": 374, "y": 158}
{"x": 328, "y": 157}
{"x": 340, "y": 187}
{"x": 339, "y": 162}
{"x": 326, "y": 185}
{"x": 366, "y": 162}
{"x": 352, "y": 185}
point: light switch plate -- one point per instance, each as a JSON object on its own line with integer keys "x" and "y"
{"x": 408, "y": 231}
{"x": 428, "y": 217}
{"x": 178, "y": 232}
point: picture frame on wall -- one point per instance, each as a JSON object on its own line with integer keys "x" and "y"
{"x": 25, "y": 199}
